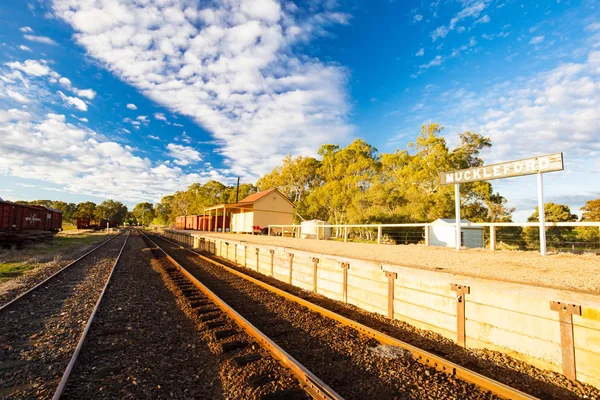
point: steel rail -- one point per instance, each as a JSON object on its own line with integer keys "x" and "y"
{"x": 56, "y": 273}
{"x": 314, "y": 386}
{"x": 423, "y": 356}
{"x": 65, "y": 377}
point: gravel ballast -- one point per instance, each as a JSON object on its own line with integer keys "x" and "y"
{"x": 560, "y": 270}
{"x": 352, "y": 364}
{"x": 141, "y": 344}
{"x": 39, "y": 332}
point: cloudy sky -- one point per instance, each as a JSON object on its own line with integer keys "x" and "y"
{"x": 135, "y": 99}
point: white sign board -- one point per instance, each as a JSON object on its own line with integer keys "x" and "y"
{"x": 528, "y": 166}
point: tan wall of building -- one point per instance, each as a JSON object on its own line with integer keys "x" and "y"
{"x": 266, "y": 218}
{"x": 515, "y": 319}
{"x": 274, "y": 202}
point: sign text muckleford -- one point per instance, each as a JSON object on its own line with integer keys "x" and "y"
{"x": 546, "y": 163}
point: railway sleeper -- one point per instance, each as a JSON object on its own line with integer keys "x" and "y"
{"x": 232, "y": 346}
{"x": 224, "y": 334}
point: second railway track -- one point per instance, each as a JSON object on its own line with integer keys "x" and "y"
{"x": 40, "y": 329}
{"x": 355, "y": 365}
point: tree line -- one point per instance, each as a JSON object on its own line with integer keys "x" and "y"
{"x": 114, "y": 211}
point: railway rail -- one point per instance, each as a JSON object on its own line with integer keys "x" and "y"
{"x": 53, "y": 276}
{"x": 421, "y": 373}
{"x": 41, "y": 328}
{"x": 203, "y": 297}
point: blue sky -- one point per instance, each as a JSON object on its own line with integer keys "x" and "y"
{"x": 132, "y": 100}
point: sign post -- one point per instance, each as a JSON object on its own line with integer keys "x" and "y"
{"x": 541, "y": 213}
{"x": 528, "y": 166}
{"x": 457, "y": 213}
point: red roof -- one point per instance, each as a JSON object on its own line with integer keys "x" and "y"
{"x": 256, "y": 196}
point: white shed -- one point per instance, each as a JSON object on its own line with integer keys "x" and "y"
{"x": 443, "y": 233}
{"x": 315, "y": 229}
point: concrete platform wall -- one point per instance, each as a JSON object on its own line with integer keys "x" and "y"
{"x": 512, "y": 318}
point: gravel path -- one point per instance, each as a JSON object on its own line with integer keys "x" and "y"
{"x": 14, "y": 287}
{"x": 39, "y": 332}
{"x": 561, "y": 270}
{"x": 501, "y": 367}
{"x": 352, "y": 364}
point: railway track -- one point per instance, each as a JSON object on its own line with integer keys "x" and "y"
{"x": 217, "y": 315}
{"x": 355, "y": 360}
{"x": 40, "y": 329}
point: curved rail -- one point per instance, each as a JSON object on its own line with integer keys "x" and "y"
{"x": 314, "y": 386}
{"x": 65, "y": 377}
{"x": 56, "y": 273}
{"x": 420, "y": 355}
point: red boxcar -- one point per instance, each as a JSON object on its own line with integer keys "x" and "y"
{"x": 19, "y": 222}
{"x": 189, "y": 222}
{"x": 83, "y": 222}
{"x": 180, "y": 222}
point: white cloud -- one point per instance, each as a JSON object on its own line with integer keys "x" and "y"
{"x": 438, "y": 60}
{"x": 17, "y": 97}
{"x": 25, "y": 48}
{"x": 420, "y": 53}
{"x": 160, "y": 116}
{"x": 153, "y": 137}
{"x": 537, "y": 40}
{"x": 40, "y": 39}
{"x": 73, "y": 101}
{"x": 183, "y": 155}
{"x": 14, "y": 115}
{"x": 178, "y": 125}
{"x": 26, "y": 29}
{"x": 87, "y": 93}
{"x": 230, "y": 66}
{"x": 418, "y": 17}
{"x": 30, "y": 67}
{"x": 483, "y": 20}
{"x": 79, "y": 160}
{"x": 472, "y": 9}
{"x": 132, "y": 106}
{"x": 65, "y": 82}
{"x": 555, "y": 110}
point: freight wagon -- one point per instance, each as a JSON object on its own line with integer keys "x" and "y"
{"x": 19, "y": 222}
{"x": 202, "y": 223}
{"x": 86, "y": 223}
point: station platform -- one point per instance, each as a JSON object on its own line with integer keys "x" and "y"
{"x": 561, "y": 270}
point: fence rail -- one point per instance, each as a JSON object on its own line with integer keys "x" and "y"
{"x": 561, "y": 236}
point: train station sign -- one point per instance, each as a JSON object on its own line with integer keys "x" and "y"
{"x": 528, "y": 166}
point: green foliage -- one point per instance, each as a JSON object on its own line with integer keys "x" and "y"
{"x": 143, "y": 213}
{"x": 591, "y": 211}
{"x": 356, "y": 184}
{"x": 555, "y": 236}
{"x": 86, "y": 209}
{"x": 114, "y": 211}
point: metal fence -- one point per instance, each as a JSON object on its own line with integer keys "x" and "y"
{"x": 576, "y": 237}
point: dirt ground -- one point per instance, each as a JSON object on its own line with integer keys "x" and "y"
{"x": 560, "y": 270}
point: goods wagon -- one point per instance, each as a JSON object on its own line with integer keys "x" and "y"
{"x": 180, "y": 223}
{"x": 19, "y": 222}
{"x": 191, "y": 221}
{"x": 83, "y": 223}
